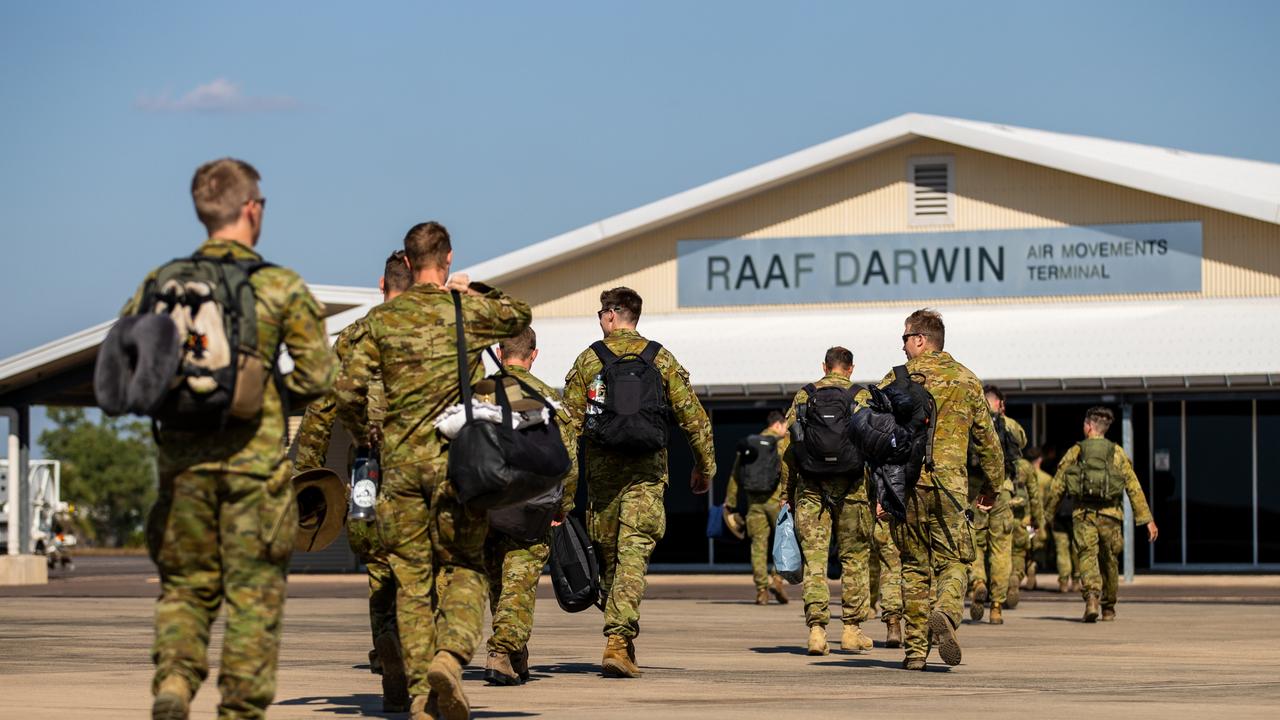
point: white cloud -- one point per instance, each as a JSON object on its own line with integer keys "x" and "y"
{"x": 219, "y": 96}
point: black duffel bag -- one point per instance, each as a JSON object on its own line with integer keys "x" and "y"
{"x": 492, "y": 465}
{"x": 575, "y": 571}
{"x": 528, "y": 521}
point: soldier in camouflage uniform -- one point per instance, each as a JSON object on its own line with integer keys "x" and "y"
{"x": 421, "y": 524}
{"x": 514, "y": 565}
{"x": 936, "y": 540}
{"x": 625, "y": 513}
{"x": 762, "y": 515}
{"x": 886, "y": 582}
{"x": 1058, "y": 526}
{"x": 992, "y": 566}
{"x": 313, "y": 447}
{"x": 1028, "y": 510}
{"x": 223, "y": 524}
{"x": 1097, "y": 527}
{"x": 836, "y": 503}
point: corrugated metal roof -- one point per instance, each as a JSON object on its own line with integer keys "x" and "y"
{"x": 1243, "y": 187}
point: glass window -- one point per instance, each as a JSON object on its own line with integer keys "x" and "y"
{"x": 1165, "y": 496}
{"x": 1269, "y": 481}
{"x": 1220, "y": 481}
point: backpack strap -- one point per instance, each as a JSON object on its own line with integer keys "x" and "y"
{"x": 900, "y": 373}
{"x": 602, "y": 351}
{"x": 810, "y": 390}
{"x": 464, "y": 370}
{"x": 650, "y": 352}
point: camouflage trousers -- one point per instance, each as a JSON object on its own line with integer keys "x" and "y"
{"x": 936, "y": 545}
{"x": 762, "y": 515}
{"x": 215, "y": 536}
{"x": 1099, "y": 542}
{"x": 435, "y": 548}
{"x": 1021, "y": 553}
{"x": 513, "y": 568}
{"x": 850, "y": 519}
{"x": 625, "y": 522}
{"x": 1064, "y": 550}
{"x": 382, "y": 584}
{"x": 886, "y": 572}
{"x": 993, "y": 550}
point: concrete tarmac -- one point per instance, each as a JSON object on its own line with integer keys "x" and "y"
{"x": 1185, "y": 646}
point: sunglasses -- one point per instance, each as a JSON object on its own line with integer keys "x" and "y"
{"x": 601, "y": 313}
{"x": 911, "y": 335}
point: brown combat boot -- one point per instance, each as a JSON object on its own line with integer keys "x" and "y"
{"x": 520, "y": 663}
{"x": 1032, "y": 583}
{"x": 893, "y": 638}
{"x": 445, "y": 677}
{"x": 173, "y": 699}
{"x": 762, "y": 596}
{"x": 779, "y": 590}
{"x": 979, "y": 605}
{"x": 997, "y": 616}
{"x": 395, "y": 685}
{"x": 1108, "y": 614}
{"x": 619, "y": 662}
{"x": 1013, "y": 596}
{"x": 913, "y": 663}
{"x": 818, "y": 640}
{"x": 1092, "y": 607}
{"x": 852, "y": 639}
{"x": 424, "y": 707}
{"x": 944, "y": 636}
{"x": 498, "y": 669}
{"x": 1063, "y": 587}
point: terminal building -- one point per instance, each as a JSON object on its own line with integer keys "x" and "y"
{"x": 1071, "y": 271}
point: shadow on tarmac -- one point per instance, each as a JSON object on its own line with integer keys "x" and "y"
{"x": 370, "y": 705}
{"x": 782, "y": 650}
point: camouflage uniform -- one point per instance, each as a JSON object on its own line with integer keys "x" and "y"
{"x": 224, "y": 520}
{"x": 1027, "y": 511}
{"x": 994, "y": 529}
{"x": 936, "y": 540}
{"x": 420, "y": 523}
{"x": 1065, "y": 559}
{"x": 762, "y": 515}
{"x": 313, "y": 447}
{"x": 837, "y": 503}
{"x": 1097, "y": 528}
{"x": 625, "y": 514}
{"x": 886, "y": 572}
{"x": 513, "y": 566}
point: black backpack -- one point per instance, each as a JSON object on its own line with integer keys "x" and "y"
{"x": 1008, "y": 444}
{"x": 575, "y": 571}
{"x": 910, "y": 451}
{"x": 633, "y": 417}
{"x": 759, "y": 467}
{"x": 823, "y": 445}
{"x": 213, "y": 306}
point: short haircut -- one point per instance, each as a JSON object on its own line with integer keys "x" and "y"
{"x": 519, "y": 347}
{"x": 220, "y": 188}
{"x": 1101, "y": 417}
{"x": 774, "y": 416}
{"x": 624, "y": 301}
{"x": 427, "y": 245}
{"x": 838, "y": 357}
{"x": 928, "y": 323}
{"x": 1033, "y": 453}
{"x": 395, "y": 274}
{"x": 993, "y": 390}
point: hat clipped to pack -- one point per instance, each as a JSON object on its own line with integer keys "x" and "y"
{"x": 486, "y": 389}
{"x": 322, "y": 508}
{"x": 735, "y": 523}
{"x": 136, "y": 365}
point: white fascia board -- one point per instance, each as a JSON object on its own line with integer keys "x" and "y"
{"x": 345, "y": 297}
{"x": 41, "y": 355}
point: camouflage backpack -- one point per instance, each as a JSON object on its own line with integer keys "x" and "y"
{"x": 221, "y": 375}
{"x": 1090, "y": 478}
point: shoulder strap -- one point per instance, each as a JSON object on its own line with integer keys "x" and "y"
{"x": 900, "y": 372}
{"x": 464, "y": 371}
{"x": 603, "y": 352}
{"x": 650, "y": 352}
{"x": 809, "y": 390}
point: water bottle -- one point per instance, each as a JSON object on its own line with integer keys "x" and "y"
{"x": 365, "y": 477}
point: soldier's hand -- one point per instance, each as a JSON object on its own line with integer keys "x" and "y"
{"x": 880, "y": 513}
{"x": 1153, "y": 532}
{"x": 985, "y": 502}
{"x": 460, "y": 282}
{"x": 558, "y": 520}
{"x": 699, "y": 482}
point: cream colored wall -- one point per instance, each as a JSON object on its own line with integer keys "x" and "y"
{"x": 868, "y": 196}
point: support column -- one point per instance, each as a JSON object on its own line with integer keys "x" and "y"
{"x": 1126, "y": 431}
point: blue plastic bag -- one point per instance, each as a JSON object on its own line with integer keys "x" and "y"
{"x": 717, "y": 528}
{"x": 787, "y": 560}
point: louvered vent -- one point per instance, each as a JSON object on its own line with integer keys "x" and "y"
{"x": 931, "y": 191}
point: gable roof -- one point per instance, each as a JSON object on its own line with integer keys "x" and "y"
{"x": 1242, "y": 187}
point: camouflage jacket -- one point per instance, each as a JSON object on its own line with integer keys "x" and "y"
{"x": 288, "y": 314}
{"x": 1044, "y": 482}
{"x": 684, "y": 403}
{"x": 1033, "y": 512}
{"x": 731, "y": 492}
{"x": 963, "y": 419}
{"x": 566, "y": 430}
{"x": 1120, "y": 465}
{"x": 790, "y": 465}
{"x": 410, "y": 341}
{"x": 317, "y": 425}
{"x": 977, "y": 478}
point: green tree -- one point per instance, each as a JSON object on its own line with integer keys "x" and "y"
{"x": 108, "y": 472}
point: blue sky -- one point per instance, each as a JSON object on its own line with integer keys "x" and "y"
{"x": 513, "y": 122}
